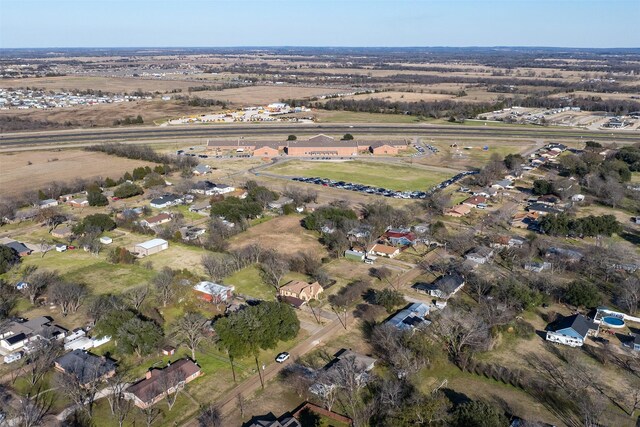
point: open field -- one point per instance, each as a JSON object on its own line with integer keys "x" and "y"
{"x": 355, "y": 117}
{"x": 283, "y": 234}
{"x": 395, "y": 176}
{"x": 17, "y": 176}
{"x": 104, "y": 115}
{"x": 263, "y": 95}
{"x": 403, "y": 96}
{"x": 105, "y": 84}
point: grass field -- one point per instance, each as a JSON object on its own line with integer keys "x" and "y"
{"x": 392, "y": 176}
{"x": 18, "y": 176}
{"x": 355, "y": 117}
{"x": 283, "y": 234}
{"x": 248, "y": 282}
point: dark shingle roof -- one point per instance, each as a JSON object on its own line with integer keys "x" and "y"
{"x": 578, "y": 323}
{"x": 85, "y": 366}
{"x": 148, "y": 389}
{"x": 449, "y": 282}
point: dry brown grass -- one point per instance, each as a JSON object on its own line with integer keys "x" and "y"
{"x": 16, "y": 176}
{"x": 262, "y": 95}
{"x": 106, "y": 114}
{"x": 283, "y": 234}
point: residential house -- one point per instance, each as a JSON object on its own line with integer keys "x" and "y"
{"x": 17, "y": 334}
{"x": 166, "y": 201}
{"x": 537, "y": 267}
{"x": 542, "y": 209}
{"x": 202, "y": 169}
{"x": 278, "y": 204}
{"x": 636, "y": 343}
{"x": 130, "y": 213}
{"x": 160, "y": 382}
{"x": 300, "y": 290}
{"x": 213, "y": 292}
{"x": 458, "y": 211}
{"x": 48, "y": 203}
{"x": 383, "y": 250}
{"x": 85, "y": 366}
{"x": 487, "y": 192}
{"x": 414, "y": 316}
{"x": 480, "y": 255}
{"x": 202, "y": 207}
{"x": 572, "y": 330}
{"x": 501, "y": 242}
{"x": 360, "y": 364}
{"x": 503, "y": 184}
{"x": 525, "y": 219}
{"x": 361, "y": 232}
{"x": 548, "y": 199}
{"x": 474, "y": 201}
{"x": 400, "y": 238}
{"x": 151, "y": 247}
{"x": 191, "y": 232}
{"x": 209, "y": 188}
{"x": 444, "y": 287}
{"x": 270, "y": 420}
{"x": 20, "y": 248}
{"x": 78, "y": 203}
{"x": 62, "y": 232}
{"x": 569, "y": 255}
{"x": 106, "y": 240}
{"x": 156, "y": 220}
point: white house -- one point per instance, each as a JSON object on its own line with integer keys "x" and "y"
{"x": 572, "y": 331}
{"x": 48, "y": 203}
{"x": 165, "y": 201}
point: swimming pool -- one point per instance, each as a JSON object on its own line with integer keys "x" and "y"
{"x": 613, "y": 322}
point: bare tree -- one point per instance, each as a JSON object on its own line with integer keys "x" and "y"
{"x": 69, "y": 296}
{"x": 461, "y": 332}
{"x": 172, "y": 384}
{"x": 190, "y": 329}
{"x": 150, "y": 414}
{"x": 38, "y": 282}
{"x": 80, "y": 386}
{"x": 40, "y": 359}
{"x": 629, "y": 294}
{"x": 274, "y": 267}
{"x": 164, "y": 285}
{"x": 31, "y": 410}
{"x": 210, "y": 416}
{"x": 216, "y": 266}
{"x": 136, "y": 296}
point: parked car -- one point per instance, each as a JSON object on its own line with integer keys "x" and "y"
{"x": 282, "y": 357}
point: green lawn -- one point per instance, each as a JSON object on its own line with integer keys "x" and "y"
{"x": 391, "y": 176}
{"x": 248, "y": 282}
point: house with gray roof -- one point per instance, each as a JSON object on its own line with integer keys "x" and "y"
{"x": 480, "y": 255}
{"x": 412, "y": 317}
{"x": 85, "y": 366}
{"x": 572, "y": 330}
{"x": 444, "y": 287}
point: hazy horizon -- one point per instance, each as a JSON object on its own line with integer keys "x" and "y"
{"x": 57, "y": 24}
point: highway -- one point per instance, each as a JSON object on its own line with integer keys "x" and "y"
{"x": 142, "y": 133}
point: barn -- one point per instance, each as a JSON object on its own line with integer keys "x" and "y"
{"x": 151, "y": 247}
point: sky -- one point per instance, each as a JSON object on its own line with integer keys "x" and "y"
{"x": 212, "y": 23}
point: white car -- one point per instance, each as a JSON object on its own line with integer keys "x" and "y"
{"x": 282, "y": 357}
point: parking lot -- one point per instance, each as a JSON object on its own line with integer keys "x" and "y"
{"x": 325, "y": 182}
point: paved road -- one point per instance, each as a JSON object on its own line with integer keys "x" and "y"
{"x": 213, "y": 131}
